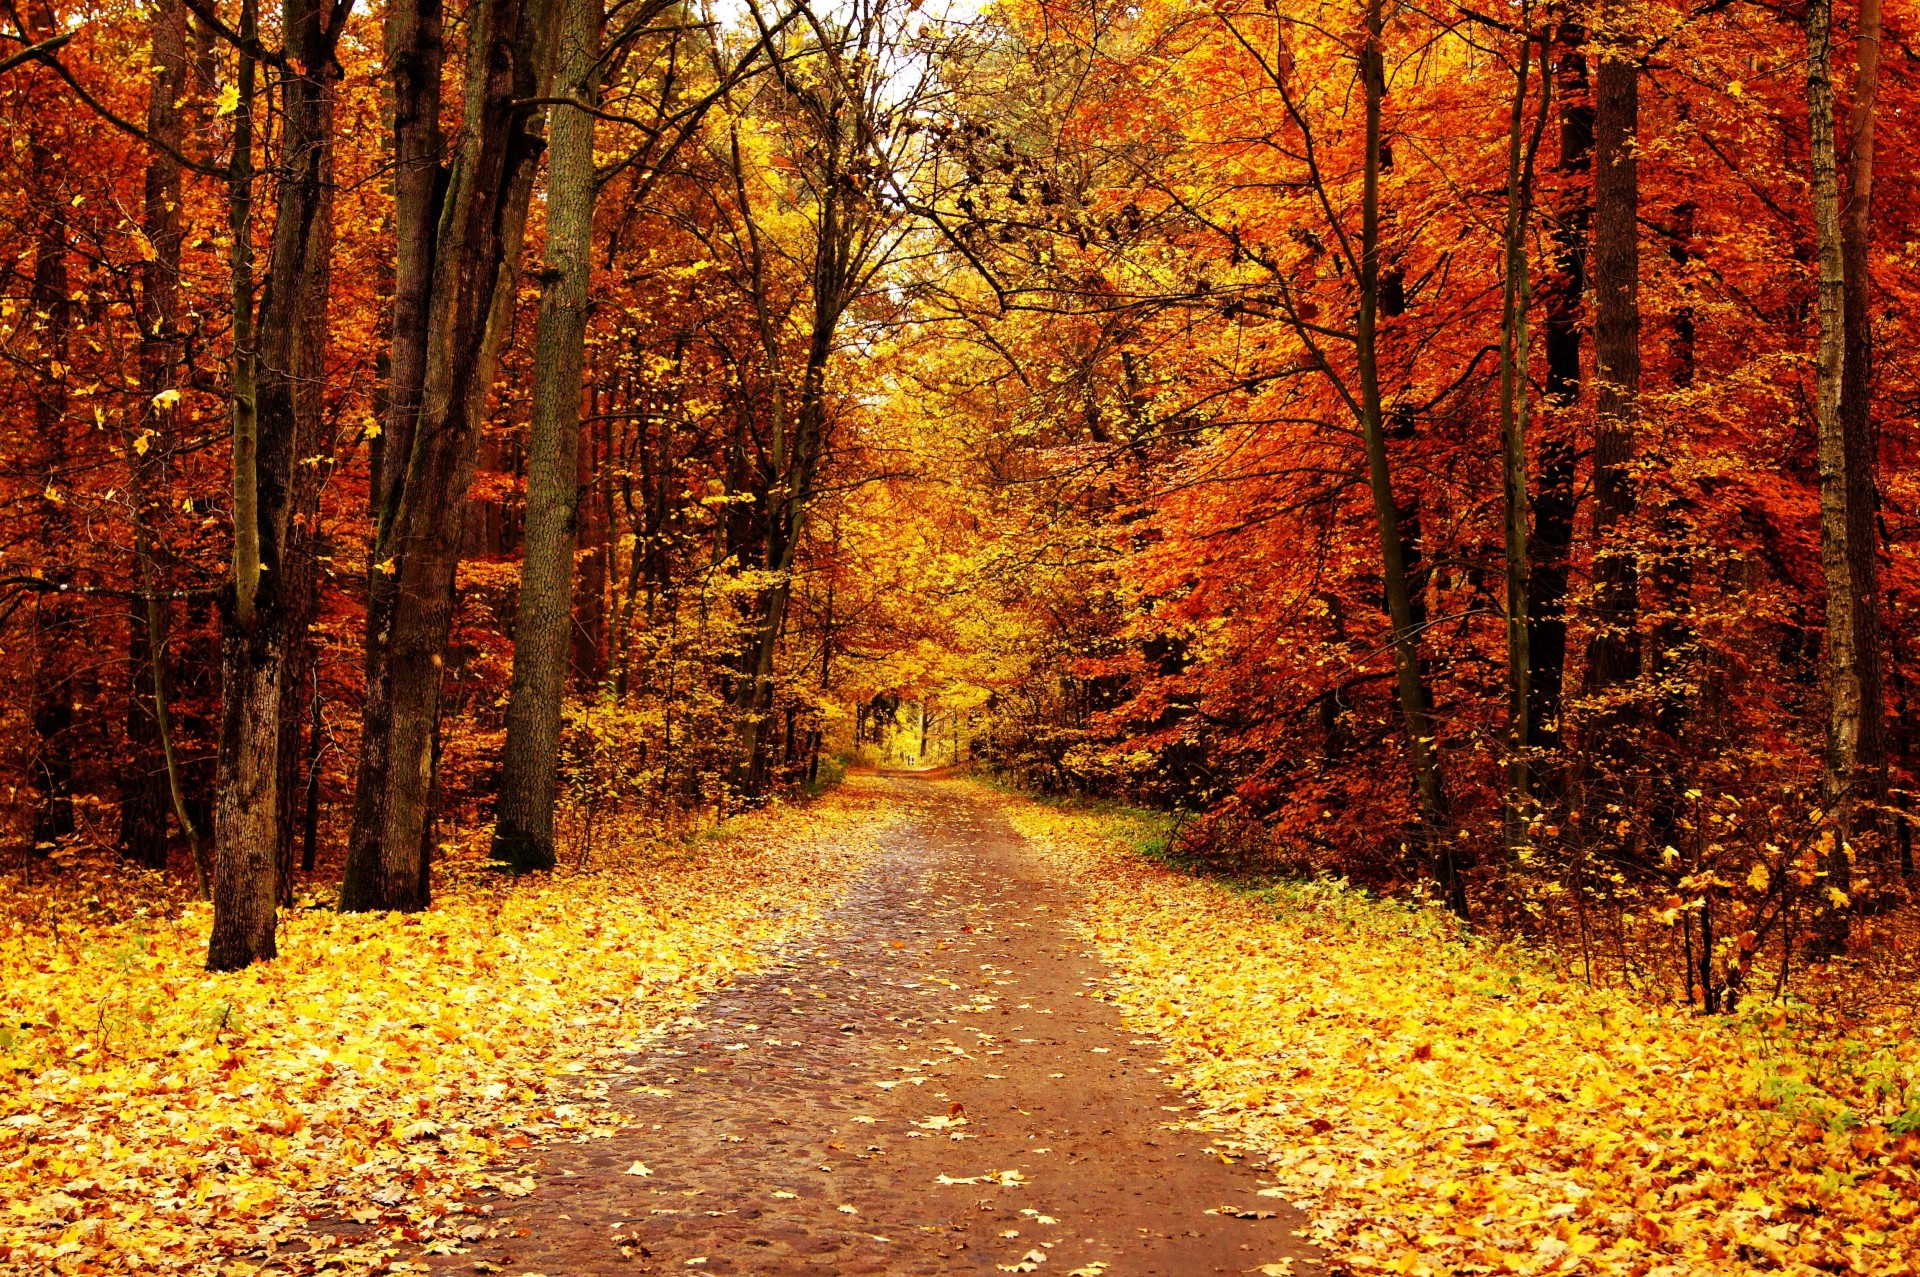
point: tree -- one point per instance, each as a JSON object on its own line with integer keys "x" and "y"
{"x": 277, "y": 358}
{"x": 1515, "y": 301}
{"x": 1613, "y": 655}
{"x": 1841, "y": 778}
{"x": 474, "y": 275}
{"x": 1860, "y": 439}
{"x": 147, "y": 797}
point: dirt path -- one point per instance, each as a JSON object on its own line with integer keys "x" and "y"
{"x": 926, "y": 1086}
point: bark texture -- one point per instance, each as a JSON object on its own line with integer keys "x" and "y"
{"x": 1860, "y": 439}
{"x": 1422, "y": 746}
{"x": 276, "y": 365}
{"x": 1517, "y": 298}
{"x": 1836, "y": 559}
{"x": 1613, "y": 656}
{"x": 475, "y": 272}
{"x": 523, "y": 832}
{"x": 146, "y": 794}
{"x": 1554, "y": 502}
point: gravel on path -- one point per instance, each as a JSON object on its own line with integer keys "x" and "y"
{"x": 931, "y": 1083}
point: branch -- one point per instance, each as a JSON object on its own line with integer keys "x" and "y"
{"x": 249, "y": 45}
{"x": 33, "y": 51}
{"x": 43, "y": 52}
{"x": 40, "y": 585}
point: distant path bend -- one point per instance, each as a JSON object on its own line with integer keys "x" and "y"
{"x": 931, "y": 1060}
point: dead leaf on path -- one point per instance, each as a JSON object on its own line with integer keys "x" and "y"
{"x": 639, "y": 1168}
{"x": 1236, "y": 1213}
{"x": 1279, "y": 1268}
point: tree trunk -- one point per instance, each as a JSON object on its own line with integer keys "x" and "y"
{"x": 51, "y": 317}
{"x": 1836, "y": 561}
{"x": 245, "y": 804}
{"x": 1555, "y": 503}
{"x": 529, "y": 776}
{"x": 1516, "y": 297}
{"x": 146, "y": 794}
{"x": 1422, "y": 746}
{"x": 475, "y": 276}
{"x": 1860, "y": 439}
{"x": 293, "y": 381}
{"x": 275, "y": 369}
{"x": 1613, "y": 654}
{"x": 416, "y": 53}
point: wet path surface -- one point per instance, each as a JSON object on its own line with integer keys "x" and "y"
{"x": 929, "y": 1084}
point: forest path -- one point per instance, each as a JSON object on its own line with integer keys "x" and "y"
{"x": 808, "y": 1119}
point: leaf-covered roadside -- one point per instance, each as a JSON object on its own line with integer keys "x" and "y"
{"x": 156, "y": 1117}
{"x": 1441, "y": 1105}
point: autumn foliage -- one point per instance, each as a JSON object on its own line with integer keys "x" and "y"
{"x": 1462, "y": 454}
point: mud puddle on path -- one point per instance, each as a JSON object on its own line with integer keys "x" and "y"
{"x": 926, "y": 1085}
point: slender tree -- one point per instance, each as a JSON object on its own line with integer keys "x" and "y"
{"x": 1856, "y": 402}
{"x": 1555, "y": 502}
{"x": 145, "y": 794}
{"x": 1841, "y": 775}
{"x": 416, "y": 57}
{"x": 1516, "y": 299}
{"x": 1613, "y": 655}
{"x": 523, "y": 832}
{"x": 1423, "y": 752}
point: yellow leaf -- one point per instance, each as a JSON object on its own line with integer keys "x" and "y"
{"x": 229, "y": 100}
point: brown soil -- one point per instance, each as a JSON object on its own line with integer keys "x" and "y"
{"x": 857, "y": 1107}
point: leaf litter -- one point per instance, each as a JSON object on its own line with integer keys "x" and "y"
{"x": 385, "y": 1071}
{"x": 1443, "y": 1104}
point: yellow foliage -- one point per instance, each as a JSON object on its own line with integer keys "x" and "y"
{"x": 155, "y": 1115}
{"x": 1440, "y": 1104}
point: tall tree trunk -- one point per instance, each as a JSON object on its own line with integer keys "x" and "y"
{"x": 275, "y": 366}
{"x": 416, "y": 55}
{"x": 523, "y": 830}
{"x": 475, "y": 273}
{"x": 1516, "y": 298}
{"x": 51, "y": 317}
{"x": 244, "y": 898}
{"x": 1836, "y": 560}
{"x": 1555, "y": 502}
{"x": 145, "y": 794}
{"x": 1422, "y": 744}
{"x": 302, "y": 383}
{"x": 1856, "y": 407}
{"x": 1613, "y": 655}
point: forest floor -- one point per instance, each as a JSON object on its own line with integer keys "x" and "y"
{"x": 916, "y": 1027}
{"x": 929, "y": 1083}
